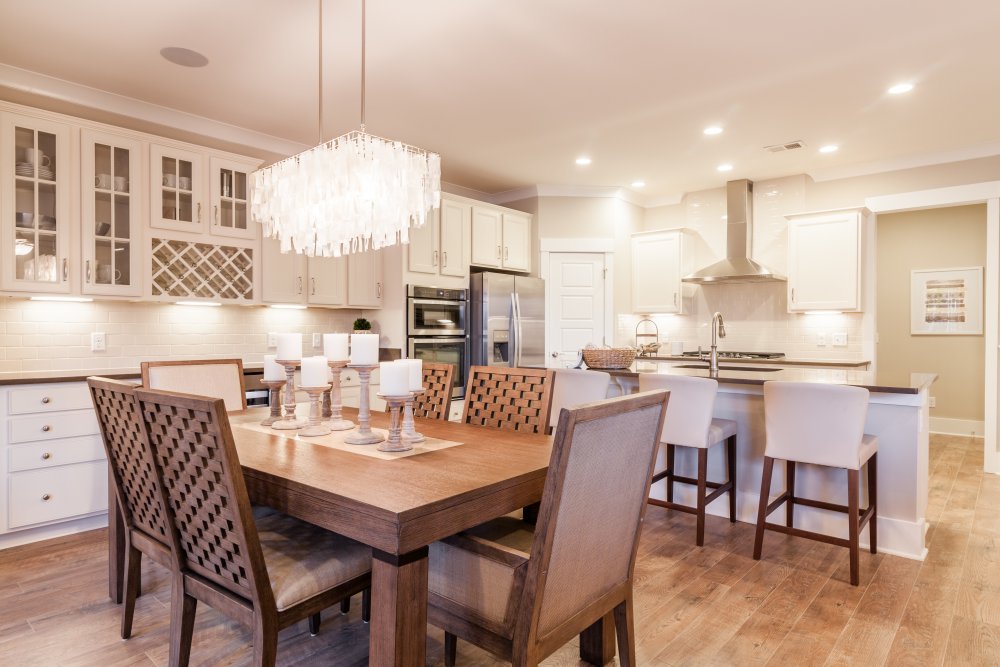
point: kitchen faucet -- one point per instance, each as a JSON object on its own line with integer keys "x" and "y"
{"x": 718, "y": 327}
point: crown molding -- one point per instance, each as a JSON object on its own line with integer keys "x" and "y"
{"x": 34, "y": 83}
{"x": 591, "y": 191}
{"x": 991, "y": 149}
{"x": 469, "y": 193}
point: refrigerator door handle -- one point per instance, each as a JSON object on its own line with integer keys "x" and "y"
{"x": 517, "y": 300}
{"x": 512, "y": 336}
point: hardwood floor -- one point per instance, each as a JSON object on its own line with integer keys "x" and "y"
{"x": 714, "y": 605}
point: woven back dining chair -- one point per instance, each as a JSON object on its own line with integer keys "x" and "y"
{"x": 523, "y": 591}
{"x": 435, "y": 402}
{"x": 136, "y": 485}
{"x": 514, "y": 398}
{"x": 268, "y": 573}
{"x": 219, "y": 378}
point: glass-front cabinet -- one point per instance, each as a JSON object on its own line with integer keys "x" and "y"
{"x": 34, "y": 200}
{"x": 111, "y": 195}
{"x": 230, "y": 198}
{"x": 177, "y": 196}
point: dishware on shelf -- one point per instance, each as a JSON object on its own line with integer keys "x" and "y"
{"x": 364, "y": 435}
{"x": 395, "y": 442}
{"x": 170, "y": 180}
{"x": 102, "y": 181}
{"x": 333, "y": 402}
{"x": 102, "y": 228}
{"x": 105, "y": 274}
{"x": 29, "y": 269}
{"x": 35, "y": 156}
{"x": 121, "y": 184}
{"x": 184, "y": 183}
{"x": 24, "y": 219}
{"x": 46, "y": 223}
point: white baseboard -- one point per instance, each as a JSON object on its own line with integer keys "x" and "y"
{"x": 18, "y": 537}
{"x": 948, "y": 426}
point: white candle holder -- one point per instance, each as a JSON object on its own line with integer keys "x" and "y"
{"x": 315, "y": 427}
{"x": 333, "y": 401}
{"x": 364, "y": 435}
{"x": 410, "y": 433}
{"x": 290, "y": 421}
{"x": 273, "y": 399}
{"x": 395, "y": 443}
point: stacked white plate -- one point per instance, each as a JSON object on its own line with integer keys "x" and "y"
{"x": 28, "y": 169}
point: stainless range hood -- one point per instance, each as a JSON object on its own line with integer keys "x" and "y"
{"x": 737, "y": 267}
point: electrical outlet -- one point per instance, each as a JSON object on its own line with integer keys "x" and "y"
{"x": 317, "y": 340}
{"x": 98, "y": 341}
{"x": 821, "y": 340}
{"x": 272, "y": 339}
{"x": 839, "y": 339}
{"x": 932, "y": 402}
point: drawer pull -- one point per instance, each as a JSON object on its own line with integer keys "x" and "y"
{"x": 46, "y": 428}
{"x": 46, "y": 456}
{"x": 46, "y": 400}
{"x": 46, "y": 496}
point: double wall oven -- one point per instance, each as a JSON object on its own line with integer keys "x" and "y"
{"x": 436, "y": 329}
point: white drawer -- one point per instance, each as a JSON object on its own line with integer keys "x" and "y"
{"x": 39, "y": 496}
{"x": 49, "y": 427}
{"x": 48, "y": 398}
{"x": 55, "y": 453}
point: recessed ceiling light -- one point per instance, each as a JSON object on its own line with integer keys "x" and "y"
{"x": 829, "y": 148}
{"x": 638, "y": 184}
{"x": 724, "y": 167}
{"x": 583, "y": 161}
{"x": 183, "y": 57}
{"x": 713, "y": 129}
{"x": 901, "y": 88}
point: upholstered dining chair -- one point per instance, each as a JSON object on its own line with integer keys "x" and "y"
{"x": 522, "y": 591}
{"x": 514, "y": 398}
{"x": 574, "y": 386}
{"x": 221, "y": 378}
{"x": 136, "y": 485}
{"x": 268, "y": 573}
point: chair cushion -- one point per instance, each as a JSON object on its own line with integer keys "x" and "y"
{"x": 869, "y": 445}
{"x": 304, "y": 560}
{"x": 720, "y": 430}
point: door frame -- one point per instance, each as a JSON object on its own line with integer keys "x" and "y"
{"x": 547, "y": 246}
{"x": 959, "y": 195}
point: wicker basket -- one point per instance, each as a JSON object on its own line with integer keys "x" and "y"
{"x": 607, "y": 358}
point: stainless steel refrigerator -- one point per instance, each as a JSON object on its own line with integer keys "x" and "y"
{"x": 507, "y": 320}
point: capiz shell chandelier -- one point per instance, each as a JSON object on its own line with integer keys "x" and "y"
{"x": 354, "y": 193}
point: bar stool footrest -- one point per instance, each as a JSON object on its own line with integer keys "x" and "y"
{"x": 798, "y": 532}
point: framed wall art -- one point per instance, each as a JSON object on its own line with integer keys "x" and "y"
{"x": 946, "y": 301}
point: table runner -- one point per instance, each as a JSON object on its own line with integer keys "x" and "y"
{"x": 336, "y": 441}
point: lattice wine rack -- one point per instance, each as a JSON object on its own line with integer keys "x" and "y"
{"x": 182, "y": 269}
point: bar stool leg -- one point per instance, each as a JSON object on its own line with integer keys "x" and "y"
{"x": 702, "y": 479}
{"x": 731, "y": 456}
{"x": 670, "y": 473}
{"x": 765, "y": 490}
{"x": 790, "y": 503}
{"x": 873, "y": 502}
{"x": 852, "y": 524}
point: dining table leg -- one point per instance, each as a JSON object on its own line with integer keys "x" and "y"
{"x": 399, "y": 609}
{"x": 116, "y": 545}
{"x": 597, "y": 643}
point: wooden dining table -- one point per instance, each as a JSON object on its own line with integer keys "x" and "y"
{"x": 398, "y": 507}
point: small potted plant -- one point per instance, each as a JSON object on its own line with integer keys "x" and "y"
{"x": 361, "y": 325}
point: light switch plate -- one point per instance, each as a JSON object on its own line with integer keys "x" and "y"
{"x": 98, "y": 341}
{"x": 839, "y": 339}
{"x": 821, "y": 340}
{"x": 317, "y": 340}
{"x": 272, "y": 339}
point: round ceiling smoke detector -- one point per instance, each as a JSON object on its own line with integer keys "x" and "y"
{"x": 183, "y": 57}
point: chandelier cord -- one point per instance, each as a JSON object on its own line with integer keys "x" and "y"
{"x": 363, "y": 31}
{"x": 319, "y": 118}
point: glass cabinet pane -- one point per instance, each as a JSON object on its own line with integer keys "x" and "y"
{"x": 36, "y": 247}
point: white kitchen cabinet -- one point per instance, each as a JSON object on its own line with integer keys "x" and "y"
{"x": 35, "y": 207}
{"x": 501, "y": 238}
{"x": 657, "y": 268}
{"x": 294, "y": 278}
{"x": 112, "y": 199}
{"x": 230, "y": 198}
{"x": 327, "y": 281}
{"x": 824, "y": 261}
{"x": 177, "y": 189}
{"x": 365, "y": 282}
{"x": 441, "y": 246}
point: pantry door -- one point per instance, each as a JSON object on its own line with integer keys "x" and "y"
{"x": 576, "y": 305}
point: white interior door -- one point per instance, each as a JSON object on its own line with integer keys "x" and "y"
{"x": 576, "y": 314}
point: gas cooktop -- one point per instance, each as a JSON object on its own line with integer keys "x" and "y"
{"x": 739, "y": 355}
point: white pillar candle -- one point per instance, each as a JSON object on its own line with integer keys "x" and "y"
{"x": 289, "y": 347}
{"x": 415, "y": 367}
{"x": 335, "y": 346}
{"x": 393, "y": 379}
{"x": 272, "y": 369}
{"x": 314, "y": 372}
{"x": 364, "y": 349}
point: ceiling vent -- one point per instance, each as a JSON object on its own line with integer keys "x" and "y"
{"x": 780, "y": 148}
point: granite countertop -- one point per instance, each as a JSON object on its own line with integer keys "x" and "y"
{"x": 786, "y": 361}
{"x": 910, "y": 383}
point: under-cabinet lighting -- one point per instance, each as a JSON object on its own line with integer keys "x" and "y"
{"x": 288, "y": 306}
{"x": 822, "y": 312}
{"x": 73, "y": 299}
{"x": 197, "y": 303}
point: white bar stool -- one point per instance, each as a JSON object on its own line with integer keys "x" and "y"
{"x": 689, "y": 423}
{"x": 576, "y": 386}
{"x": 822, "y": 425}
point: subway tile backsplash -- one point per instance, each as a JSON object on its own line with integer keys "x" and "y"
{"x": 43, "y": 336}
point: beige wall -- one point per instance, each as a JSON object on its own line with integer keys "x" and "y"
{"x": 930, "y": 239}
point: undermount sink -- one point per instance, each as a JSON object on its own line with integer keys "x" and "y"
{"x": 753, "y": 369}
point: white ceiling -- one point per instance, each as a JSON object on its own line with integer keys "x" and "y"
{"x": 510, "y": 92}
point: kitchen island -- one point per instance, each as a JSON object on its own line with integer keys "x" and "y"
{"x": 897, "y": 414}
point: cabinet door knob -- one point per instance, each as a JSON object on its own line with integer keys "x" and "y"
{"x": 378, "y": 290}
{"x": 46, "y": 496}
{"x": 46, "y": 456}
{"x": 46, "y": 399}
{"x": 46, "y": 428}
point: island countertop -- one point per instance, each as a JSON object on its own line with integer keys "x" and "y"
{"x": 891, "y": 383}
